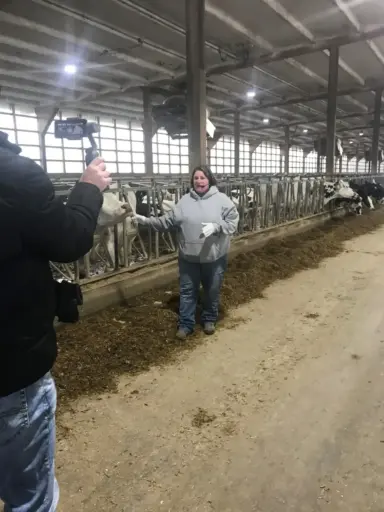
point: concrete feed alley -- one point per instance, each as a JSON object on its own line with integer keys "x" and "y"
{"x": 285, "y": 412}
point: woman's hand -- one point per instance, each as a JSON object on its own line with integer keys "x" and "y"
{"x": 140, "y": 219}
{"x": 208, "y": 229}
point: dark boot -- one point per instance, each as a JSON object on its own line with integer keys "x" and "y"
{"x": 209, "y": 328}
{"x": 182, "y": 334}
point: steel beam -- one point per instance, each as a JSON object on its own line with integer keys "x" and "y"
{"x": 302, "y": 99}
{"x": 163, "y": 22}
{"x": 45, "y": 116}
{"x": 259, "y": 41}
{"x": 286, "y": 150}
{"x": 318, "y": 162}
{"x": 211, "y": 143}
{"x": 253, "y": 145}
{"x": 237, "y": 142}
{"x": 298, "y": 50}
{"x": 376, "y": 130}
{"x": 148, "y": 132}
{"x": 306, "y": 122}
{"x": 25, "y": 23}
{"x": 333, "y": 77}
{"x": 196, "y": 82}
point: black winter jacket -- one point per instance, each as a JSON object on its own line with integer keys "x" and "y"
{"x": 35, "y": 228}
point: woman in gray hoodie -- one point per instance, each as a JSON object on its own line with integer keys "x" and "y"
{"x": 204, "y": 219}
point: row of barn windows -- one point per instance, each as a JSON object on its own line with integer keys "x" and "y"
{"x": 121, "y": 143}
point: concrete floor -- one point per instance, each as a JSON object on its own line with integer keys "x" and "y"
{"x": 294, "y": 396}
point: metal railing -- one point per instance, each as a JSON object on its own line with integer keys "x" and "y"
{"x": 262, "y": 202}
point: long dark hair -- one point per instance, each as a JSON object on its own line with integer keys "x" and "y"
{"x": 207, "y": 173}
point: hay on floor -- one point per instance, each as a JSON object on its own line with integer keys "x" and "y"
{"x": 139, "y": 334}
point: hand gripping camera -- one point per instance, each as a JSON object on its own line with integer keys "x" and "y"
{"x": 69, "y": 295}
{"x": 76, "y": 128}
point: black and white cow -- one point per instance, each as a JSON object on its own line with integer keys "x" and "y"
{"x": 363, "y": 192}
{"x": 368, "y": 191}
{"x": 375, "y": 191}
{"x": 159, "y": 208}
{"x": 343, "y": 195}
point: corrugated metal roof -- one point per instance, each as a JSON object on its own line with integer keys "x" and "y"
{"x": 119, "y": 44}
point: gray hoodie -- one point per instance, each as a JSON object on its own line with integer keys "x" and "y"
{"x": 188, "y": 216}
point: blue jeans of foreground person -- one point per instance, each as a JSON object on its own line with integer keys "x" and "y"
{"x": 27, "y": 448}
{"x": 211, "y": 276}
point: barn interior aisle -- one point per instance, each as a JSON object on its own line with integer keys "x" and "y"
{"x": 283, "y": 413}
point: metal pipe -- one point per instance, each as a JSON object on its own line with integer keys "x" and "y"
{"x": 261, "y": 42}
{"x": 333, "y": 77}
{"x": 237, "y": 142}
{"x": 95, "y": 23}
{"x": 376, "y": 130}
{"x": 71, "y": 38}
{"x": 298, "y": 50}
{"x": 196, "y": 82}
{"x": 305, "y": 122}
{"x": 301, "y": 99}
{"x": 78, "y": 15}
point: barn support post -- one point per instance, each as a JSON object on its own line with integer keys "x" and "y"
{"x": 253, "y": 145}
{"x": 376, "y": 131}
{"x": 196, "y": 82}
{"x": 149, "y": 130}
{"x": 349, "y": 158}
{"x": 281, "y": 165}
{"x": 45, "y": 116}
{"x": 333, "y": 77}
{"x": 305, "y": 154}
{"x": 318, "y": 161}
{"x": 358, "y": 164}
{"x": 286, "y": 150}
{"x": 211, "y": 143}
{"x": 357, "y": 158}
{"x": 237, "y": 141}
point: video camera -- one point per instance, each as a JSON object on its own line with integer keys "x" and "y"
{"x": 76, "y": 128}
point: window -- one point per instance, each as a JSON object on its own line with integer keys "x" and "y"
{"x": 121, "y": 142}
{"x": 267, "y": 159}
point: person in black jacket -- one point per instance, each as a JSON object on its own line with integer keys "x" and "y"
{"x": 35, "y": 228}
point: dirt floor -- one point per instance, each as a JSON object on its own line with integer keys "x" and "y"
{"x": 133, "y": 337}
{"x": 281, "y": 411}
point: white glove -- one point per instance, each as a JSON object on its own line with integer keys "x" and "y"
{"x": 208, "y": 229}
{"x": 140, "y": 219}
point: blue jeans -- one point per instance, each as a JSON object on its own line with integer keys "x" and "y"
{"x": 27, "y": 448}
{"x": 211, "y": 276}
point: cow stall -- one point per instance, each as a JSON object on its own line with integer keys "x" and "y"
{"x": 262, "y": 202}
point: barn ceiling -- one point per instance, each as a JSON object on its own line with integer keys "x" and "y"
{"x": 120, "y": 45}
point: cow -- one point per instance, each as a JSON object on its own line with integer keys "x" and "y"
{"x": 375, "y": 191}
{"x": 166, "y": 204}
{"x": 114, "y": 212}
{"x": 364, "y": 192}
{"x": 343, "y": 195}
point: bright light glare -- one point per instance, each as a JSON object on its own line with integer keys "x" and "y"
{"x": 70, "y": 69}
{"x": 305, "y": 130}
{"x": 361, "y": 134}
{"x": 251, "y": 94}
{"x": 351, "y": 141}
{"x": 266, "y": 120}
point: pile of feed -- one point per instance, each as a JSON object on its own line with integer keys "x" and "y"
{"x": 138, "y": 334}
